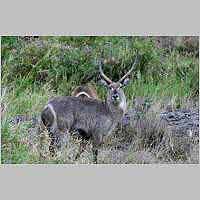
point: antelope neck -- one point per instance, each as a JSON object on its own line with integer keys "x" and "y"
{"x": 116, "y": 111}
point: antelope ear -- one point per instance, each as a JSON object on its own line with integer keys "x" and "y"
{"x": 125, "y": 81}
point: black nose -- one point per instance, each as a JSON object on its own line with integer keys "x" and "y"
{"x": 115, "y": 95}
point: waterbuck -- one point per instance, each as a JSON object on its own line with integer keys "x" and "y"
{"x": 85, "y": 91}
{"x": 92, "y": 118}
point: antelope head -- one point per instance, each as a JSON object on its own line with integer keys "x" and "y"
{"x": 116, "y": 95}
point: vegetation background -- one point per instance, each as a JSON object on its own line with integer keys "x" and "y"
{"x": 33, "y": 69}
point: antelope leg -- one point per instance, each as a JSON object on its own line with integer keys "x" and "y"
{"x": 82, "y": 148}
{"x": 95, "y": 154}
{"x": 97, "y": 141}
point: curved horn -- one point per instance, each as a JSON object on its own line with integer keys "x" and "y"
{"x": 133, "y": 66}
{"x": 102, "y": 74}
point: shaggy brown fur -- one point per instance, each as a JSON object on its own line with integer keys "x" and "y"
{"x": 85, "y": 91}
